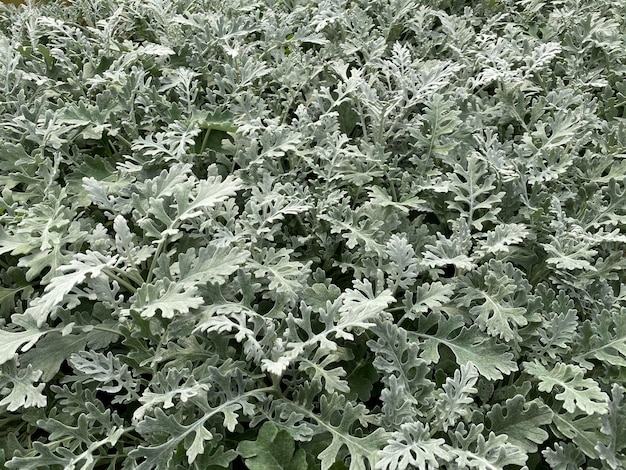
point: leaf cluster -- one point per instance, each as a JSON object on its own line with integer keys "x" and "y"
{"x": 297, "y": 234}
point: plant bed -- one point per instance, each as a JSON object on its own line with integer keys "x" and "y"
{"x": 297, "y": 234}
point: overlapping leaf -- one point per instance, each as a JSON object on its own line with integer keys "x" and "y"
{"x": 312, "y": 234}
{"x": 273, "y": 450}
{"x": 523, "y": 422}
{"x": 577, "y": 393}
{"x": 493, "y": 360}
{"x": 413, "y": 447}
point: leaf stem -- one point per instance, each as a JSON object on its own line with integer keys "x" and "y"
{"x": 121, "y": 281}
{"x": 133, "y": 274}
{"x": 205, "y": 141}
{"x": 157, "y": 253}
{"x": 124, "y": 140}
{"x": 107, "y": 330}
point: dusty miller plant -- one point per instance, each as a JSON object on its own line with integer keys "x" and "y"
{"x": 293, "y": 234}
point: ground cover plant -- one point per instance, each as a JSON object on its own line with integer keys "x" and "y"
{"x": 293, "y": 234}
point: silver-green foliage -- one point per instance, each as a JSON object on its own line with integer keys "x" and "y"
{"x": 347, "y": 234}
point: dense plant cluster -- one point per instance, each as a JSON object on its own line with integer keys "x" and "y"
{"x": 293, "y": 234}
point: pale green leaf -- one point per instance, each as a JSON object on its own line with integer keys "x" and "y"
{"x": 273, "y": 449}
{"x": 22, "y": 391}
{"x": 13, "y": 341}
{"x": 471, "y": 449}
{"x": 166, "y": 297}
{"x": 493, "y": 360}
{"x": 361, "y": 306}
{"x": 91, "y": 264}
{"x": 523, "y": 422}
{"x": 413, "y": 448}
{"x": 575, "y": 392}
